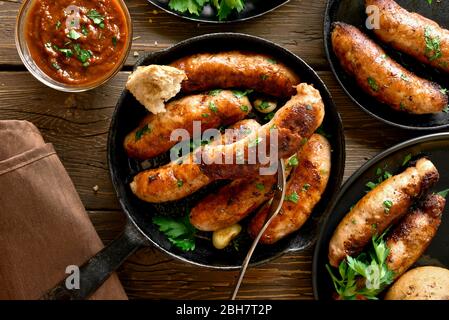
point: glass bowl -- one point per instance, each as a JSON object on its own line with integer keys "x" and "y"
{"x": 27, "y": 59}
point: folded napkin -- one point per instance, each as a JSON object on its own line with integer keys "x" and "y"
{"x": 43, "y": 225}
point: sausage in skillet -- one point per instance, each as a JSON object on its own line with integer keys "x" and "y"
{"x": 304, "y": 189}
{"x": 294, "y": 122}
{"x": 382, "y": 77}
{"x": 412, "y": 34}
{"x": 177, "y": 180}
{"x": 152, "y": 137}
{"x": 380, "y": 208}
{"x": 413, "y": 234}
{"x": 237, "y": 69}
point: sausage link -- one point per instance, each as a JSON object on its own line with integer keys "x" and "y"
{"x": 304, "y": 189}
{"x": 380, "y": 208}
{"x": 382, "y": 77}
{"x": 413, "y": 234}
{"x": 152, "y": 137}
{"x": 176, "y": 180}
{"x": 411, "y": 33}
{"x": 236, "y": 69}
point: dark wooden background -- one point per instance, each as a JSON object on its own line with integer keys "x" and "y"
{"x": 77, "y": 125}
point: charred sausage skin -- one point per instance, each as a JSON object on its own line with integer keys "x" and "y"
{"x": 380, "y": 208}
{"x": 152, "y": 137}
{"x": 237, "y": 69}
{"x": 413, "y": 234}
{"x": 308, "y": 181}
{"x": 382, "y": 77}
{"x": 410, "y": 33}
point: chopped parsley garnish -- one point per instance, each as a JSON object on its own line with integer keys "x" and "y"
{"x": 304, "y": 141}
{"x": 264, "y": 105}
{"x": 402, "y": 106}
{"x": 96, "y": 18}
{"x": 213, "y": 107}
{"x": 215, "y": 92}
{"x": 292, "y": 197}
{"x": 84, "y": 30}
{"x": 142, "y": 131}
{"x": 205, "y": 115}
{"x": 240, "y": 94}
{"x": 271, "y": 60}
{"x": 244, "y": 108}
{"x": 407, "y": 159}
{"x": 260, "y": 186}
{"x": 56, "y": 65}
{"x": 293, "y": 161}
{"x": 178, "y": 231}
{"x": 404, "y": 77}
{"x": 67, "y": 52}
{"x": 305, "y": 187}
{"x": 433, "y": 48}
{"x": 114, "y": 41}
{"x": 443, "y": 193}
{"x": 382, "y": 176}
{"x": 446, "y": 109}
{"x": 73, "y": 34}
{"x": 264, "y": 77}
{"x": 82, "y": 54}
{"x": 387, "y": 205}
{"x": 270, "y": 116}
{"x": 373, "y": 84}
{"x": 180, "y": 183}
{"x": 443, "y": 91}
{"x": 58, "y": 25}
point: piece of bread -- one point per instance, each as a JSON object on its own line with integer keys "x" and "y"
{"x": 423, "y": 283}
{"x": 153, "y": 85}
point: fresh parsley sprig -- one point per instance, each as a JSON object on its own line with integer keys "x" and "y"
{"x": 179, "y": 232}
{"x": 365, "y": 276}
{"x": 223, "y": 7}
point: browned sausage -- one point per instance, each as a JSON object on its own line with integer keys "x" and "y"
{"x": 152, "y": 137}
{"x": 413, "y": 234}
{"x": 294, "y": 122}
{"x": 177, "y": 180}
{"x": 412, "y": 34}
{"x": 304, "y": 189}
{"x": 236, "y": 69}
{"x": 233, "y": 202}
{"x": 380, "y": 208}
{"x": 382, "y": 77}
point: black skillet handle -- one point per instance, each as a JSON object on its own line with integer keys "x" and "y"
{"x": 98, "y": 268}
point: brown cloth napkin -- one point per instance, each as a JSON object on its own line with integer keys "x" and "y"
{"x": 43, "y": 224}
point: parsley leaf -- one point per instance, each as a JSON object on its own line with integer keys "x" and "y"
{"x": 240, "y": 94}
{"x": 369, "y": 266}
{"x": 433, "y": 47}
{"x": 142, "y": 131}
{"x": 373, "y": 84}
{"x": 73, "y": 34}
{"x": 178, "y": 231}
{"x": 293, "y": 161}
{"x": 292, "y": 197}
{"x": 96, "y": 17}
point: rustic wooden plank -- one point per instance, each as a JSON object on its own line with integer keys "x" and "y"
{"x": 77, "y": 124}
{"x": 296, "y": 26}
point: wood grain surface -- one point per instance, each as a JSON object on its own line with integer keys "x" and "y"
{"x": 77, "y": 125}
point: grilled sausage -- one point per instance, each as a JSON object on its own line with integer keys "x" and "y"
{"x": 152, "y": 137}
{"x": 304, "y": 189}
{"x": 380, "y": 208}
{"x": 236, "y": 69}
{"x": 413, "y": 234}
{"x": 296, "y": 121}
{"x": 412, "y": 34}
{"x": 179, "y": 179}
{"x": 233, "y": 202}
{"x": 382, "y": 77}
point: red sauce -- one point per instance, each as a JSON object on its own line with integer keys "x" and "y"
{"x": 77, "y": 42}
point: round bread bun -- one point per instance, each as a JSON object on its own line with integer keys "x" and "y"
{"x": 423, "y": 283}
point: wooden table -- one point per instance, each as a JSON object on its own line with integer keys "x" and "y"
{"x": 77, "y": 125}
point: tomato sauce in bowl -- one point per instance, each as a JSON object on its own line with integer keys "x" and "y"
{"x": 77, "y": 42}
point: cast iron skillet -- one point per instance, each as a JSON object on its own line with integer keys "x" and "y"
{"x": 436, "y": 148}
{"x": 353, "y": 12}
{"x": 140, "y": 229}
{"x": 253, "y": 9}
